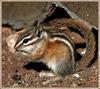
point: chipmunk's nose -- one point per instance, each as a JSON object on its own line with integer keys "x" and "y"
{"x": 15, "y": 48}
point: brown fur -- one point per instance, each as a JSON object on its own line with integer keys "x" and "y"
{"x": 83, "y": 28}
{"x": 57, "y": 55}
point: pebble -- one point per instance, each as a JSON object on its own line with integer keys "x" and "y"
{"x": 76, "y": 75}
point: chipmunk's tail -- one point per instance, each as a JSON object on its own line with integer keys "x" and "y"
{"x": 90, "y": 35}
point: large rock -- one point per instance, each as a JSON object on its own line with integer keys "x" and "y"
{"x": 19, "y": 14}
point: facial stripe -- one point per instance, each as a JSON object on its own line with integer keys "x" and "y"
{"x": 20, "y": 40}
{"x": 27, "y": 37}
{"x": 31, "y": 41}
{"x": 28, "y": 32}
{"x": 36, "y": 40}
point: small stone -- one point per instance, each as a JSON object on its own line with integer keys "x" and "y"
{"x": 76, "y": 75}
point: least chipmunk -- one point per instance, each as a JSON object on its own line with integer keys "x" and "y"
{"x": 52, "y": 45}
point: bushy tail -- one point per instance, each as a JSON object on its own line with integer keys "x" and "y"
{"x": 88, "y": 33}
{"x": 91, "y": 44}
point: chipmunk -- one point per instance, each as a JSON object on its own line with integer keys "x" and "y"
{"x": 52, "y": 45}
{"x": 85, "y": 30}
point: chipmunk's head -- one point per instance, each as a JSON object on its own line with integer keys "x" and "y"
{"x": 30, "y": 41}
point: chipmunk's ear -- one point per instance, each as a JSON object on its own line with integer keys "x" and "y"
{"x": 40, "y": 32}
{"x": 36, "y": 23}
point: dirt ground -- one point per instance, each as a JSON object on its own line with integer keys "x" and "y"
{"x": 18, "y": 72}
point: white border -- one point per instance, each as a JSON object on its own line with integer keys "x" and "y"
{"x": 48, "y": 1}
{"x": 0, "y": 44}
{"x": 98, "y": 45}
{"x": 51, "y": 0}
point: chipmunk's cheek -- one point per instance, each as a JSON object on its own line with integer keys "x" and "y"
{"x": 27, "y": 49}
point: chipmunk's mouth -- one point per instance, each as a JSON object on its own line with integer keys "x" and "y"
{"x": 23, "y": 51}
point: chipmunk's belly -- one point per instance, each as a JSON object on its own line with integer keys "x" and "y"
{"x": 52, "y": 65}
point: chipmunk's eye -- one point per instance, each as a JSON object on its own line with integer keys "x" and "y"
{"x": 25, "y": 40}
